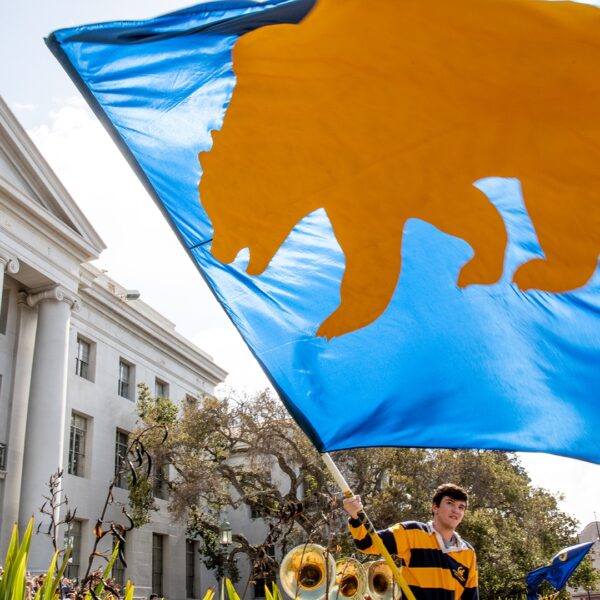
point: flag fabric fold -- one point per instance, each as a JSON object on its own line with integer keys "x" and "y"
{"x": 558, "y": 571}
{"x": 397, "y": 203}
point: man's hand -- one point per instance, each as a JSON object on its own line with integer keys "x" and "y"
{"x": 353, "y": 506}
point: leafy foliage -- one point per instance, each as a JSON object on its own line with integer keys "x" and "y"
{"x": 142, "y": 502}
{"x": 158, "y": 411}
{"x": 214, "y": 556}
{"x": 12, "y": 584}
{"x": 13, "y": 579}
{"x": 234, "y": 452}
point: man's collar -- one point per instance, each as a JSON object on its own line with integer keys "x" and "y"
{"x": 457, "y": 544}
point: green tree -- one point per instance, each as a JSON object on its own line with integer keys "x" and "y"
{"x": 234, "y": 452}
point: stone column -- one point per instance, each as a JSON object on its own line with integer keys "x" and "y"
{"x": 45, "y": 432}
{"x": 21, "y": 378}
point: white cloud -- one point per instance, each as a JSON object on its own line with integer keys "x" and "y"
{"x": 577, "y": 480}
{"x": 24, "y": 107}
{"x": 229, "y": 351}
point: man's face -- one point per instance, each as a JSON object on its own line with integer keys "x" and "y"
{"x": 449, "y": 513}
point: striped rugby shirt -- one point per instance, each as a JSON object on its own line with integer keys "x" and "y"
{"x": 433, "y": 571}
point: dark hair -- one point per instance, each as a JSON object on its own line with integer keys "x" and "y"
{"x": 452, "y": 491}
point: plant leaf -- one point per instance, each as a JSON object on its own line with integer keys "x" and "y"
{"x": 231, "y": 593}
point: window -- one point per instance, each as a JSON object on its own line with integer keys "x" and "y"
{"x": 161, "y": 389}
{"x": 82, "y": 360}
{"x": 157, "y": 563}
{"x": 77, "y": 443}
{"x": 267, "y": 579}
{"x": 125, "y": 378}
{"x": 190, "y": 568}
{"x": 73, "y": 538}
{"x": 260, "y": 583}
{"x": 191, "y": 400}
{"x": 258, "y": 510}
{"x": 121, "y": 445}
{"x": 160, "y": 479}
{"x": 2, "y": 446}
{"x": 4, "y": 310}
{"x": 118, "y": 570}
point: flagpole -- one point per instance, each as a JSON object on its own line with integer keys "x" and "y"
{"x": 343, "y": 485}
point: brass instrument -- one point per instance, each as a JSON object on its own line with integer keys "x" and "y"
{"x": 380, "y": 581}
{"x": 350, "y": 580}
{"x": 306, "y": 572}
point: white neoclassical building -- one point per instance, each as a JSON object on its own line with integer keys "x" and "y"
{"x": 73, "y": 346}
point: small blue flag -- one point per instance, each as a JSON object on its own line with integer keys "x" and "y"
{"x": 558, "y": 571}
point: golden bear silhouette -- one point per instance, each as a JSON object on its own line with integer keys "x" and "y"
{"x": 386, "y": 110}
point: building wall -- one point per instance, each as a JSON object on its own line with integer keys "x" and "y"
{"x": 54, "y": 296}
{"x": 128, "y": 331}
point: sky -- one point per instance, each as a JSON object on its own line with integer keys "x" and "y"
{"x": 142, "y": 252}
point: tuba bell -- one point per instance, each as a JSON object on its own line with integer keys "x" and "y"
{"x": 350, "y": 580}
{"x": 306, "y": 572}
{"x": 381, "y": 584}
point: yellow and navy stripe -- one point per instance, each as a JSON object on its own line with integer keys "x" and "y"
{"x": 431, "y": 572}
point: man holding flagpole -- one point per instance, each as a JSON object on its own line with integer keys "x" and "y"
{"x": 436, "y": 562}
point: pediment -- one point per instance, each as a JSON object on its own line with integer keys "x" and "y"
{"x": 26, "y": 176}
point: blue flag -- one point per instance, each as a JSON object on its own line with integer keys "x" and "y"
{"x": 558, "y": 571}
{"x": 397, "y": 205}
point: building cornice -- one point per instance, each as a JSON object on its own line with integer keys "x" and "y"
{"x": 180, "y": 349}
